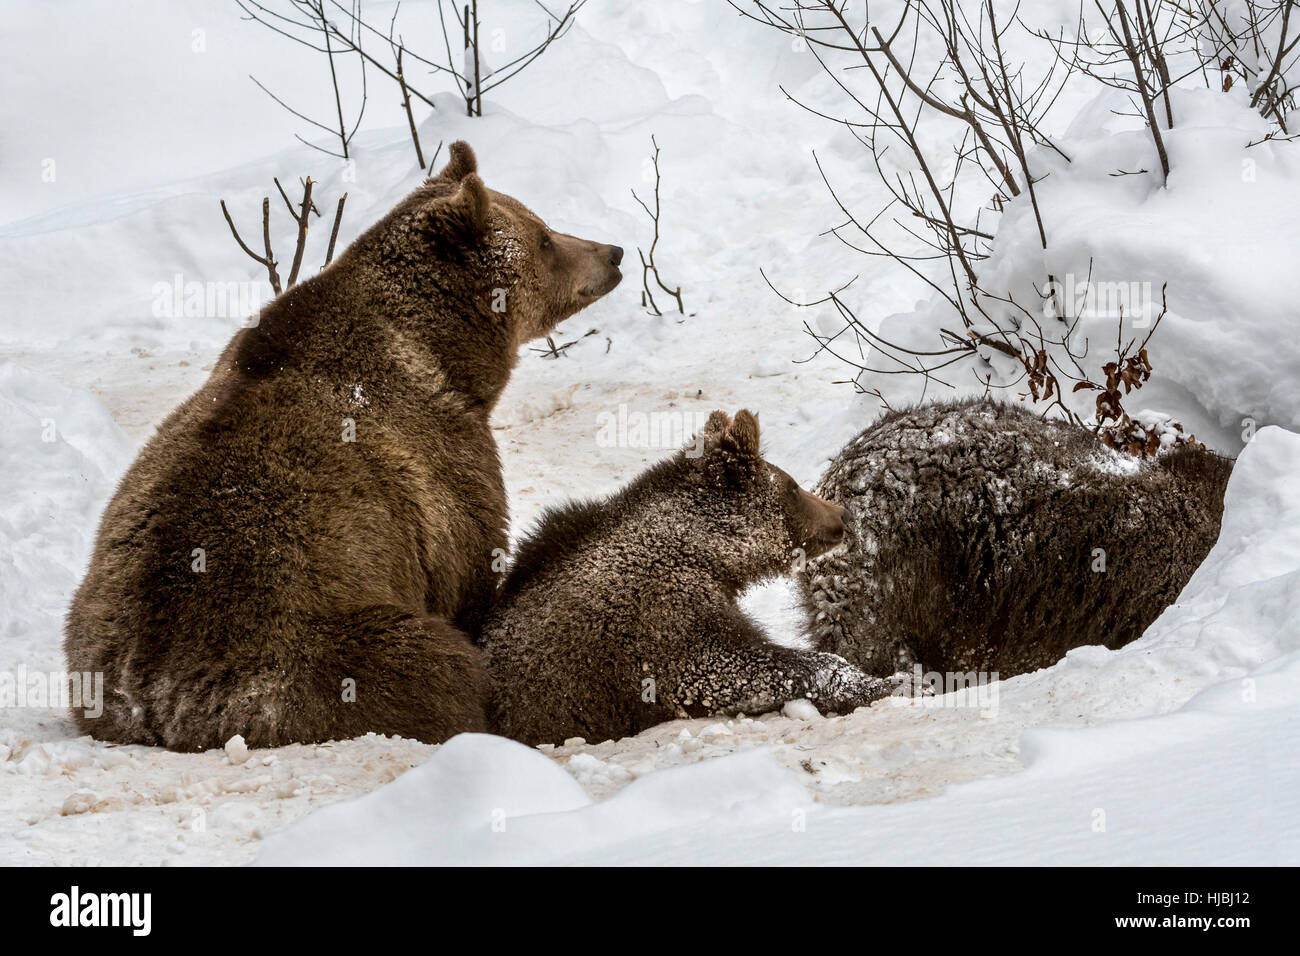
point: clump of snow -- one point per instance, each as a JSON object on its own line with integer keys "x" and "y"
{"x": 801, "y": 710}
{"x": 1163, "y": 425}
{"x": 236, "y": 749}
{"x": 1108, "y": 461}
{"x": 79, "y": 802}
{"x": 770, "y": 365}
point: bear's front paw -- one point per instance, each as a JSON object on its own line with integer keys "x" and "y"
{"x": 908, "y": 684}
{"x": 839, "y": 686}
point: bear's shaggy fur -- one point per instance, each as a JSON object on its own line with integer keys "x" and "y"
{"x": 974, "y": 529}
{"x": 621, "y": 614}
{"x": 296, "y": 554}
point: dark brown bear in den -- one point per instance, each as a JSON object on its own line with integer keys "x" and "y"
{"x": 984, "y": 538}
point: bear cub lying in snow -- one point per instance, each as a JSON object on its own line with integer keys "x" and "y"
{"x": 621, "y": 614}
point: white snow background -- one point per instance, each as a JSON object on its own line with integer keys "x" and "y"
{"x": 1180, "y": 748}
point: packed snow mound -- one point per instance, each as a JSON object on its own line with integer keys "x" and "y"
{"x": 1083, "y": 794}
{"x": 473, "y": 785}
{"x": 487, "y": 800}
{"x": 1214, "y": 235}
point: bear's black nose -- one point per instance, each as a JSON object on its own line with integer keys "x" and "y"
{"x": 615, "y": 255}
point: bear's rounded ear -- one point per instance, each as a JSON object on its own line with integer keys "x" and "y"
{"x": 742, "y": 437}
{"x": 735, "y": 437}
{"x": 714, "y": 428}
{"x": 474, "y": 199}
{"x": 463, "y": 213}
{"x": 730, "y": 452}
{"x": 461, "y": 163}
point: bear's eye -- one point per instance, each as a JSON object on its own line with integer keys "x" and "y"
{"x": 546, "y": 242}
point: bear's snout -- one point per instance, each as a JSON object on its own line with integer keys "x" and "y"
{"x": 837, "y": 522}
{"x": 596, "y": 267}
{"x": 825, "y": 523}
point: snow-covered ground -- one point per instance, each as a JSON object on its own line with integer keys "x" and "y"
{"x": 125, "y": 126}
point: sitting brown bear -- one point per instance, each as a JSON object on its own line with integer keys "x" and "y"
{"x": 984, "y": 538}
{"x": 298, "y": 551}
{"x": 621, "y": 614}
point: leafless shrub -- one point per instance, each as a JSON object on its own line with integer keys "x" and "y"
{"x": 1131, "y": 52}
{"x": 1257, "y": 43}
{"x": 316, "y": 25}
{"x": 311, "y": 27}
{"x": 301, "y": 216}
{"x": 648, "y": 265}
{"x": 399, "y": 49}
{"x": 997, "y": 106}
{"x": 929, "y": 226}
{"x": 553, "y": 351}
{"x": 474, "y": 75}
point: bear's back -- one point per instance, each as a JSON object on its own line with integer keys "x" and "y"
{"x": 587, "y": 601}
{"x": 246, "y": 507}
{"x": 976, "y": 531}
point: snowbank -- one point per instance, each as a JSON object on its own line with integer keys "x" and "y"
{"x": 487, "y": 800}
{"x": 1219, "y": 235}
